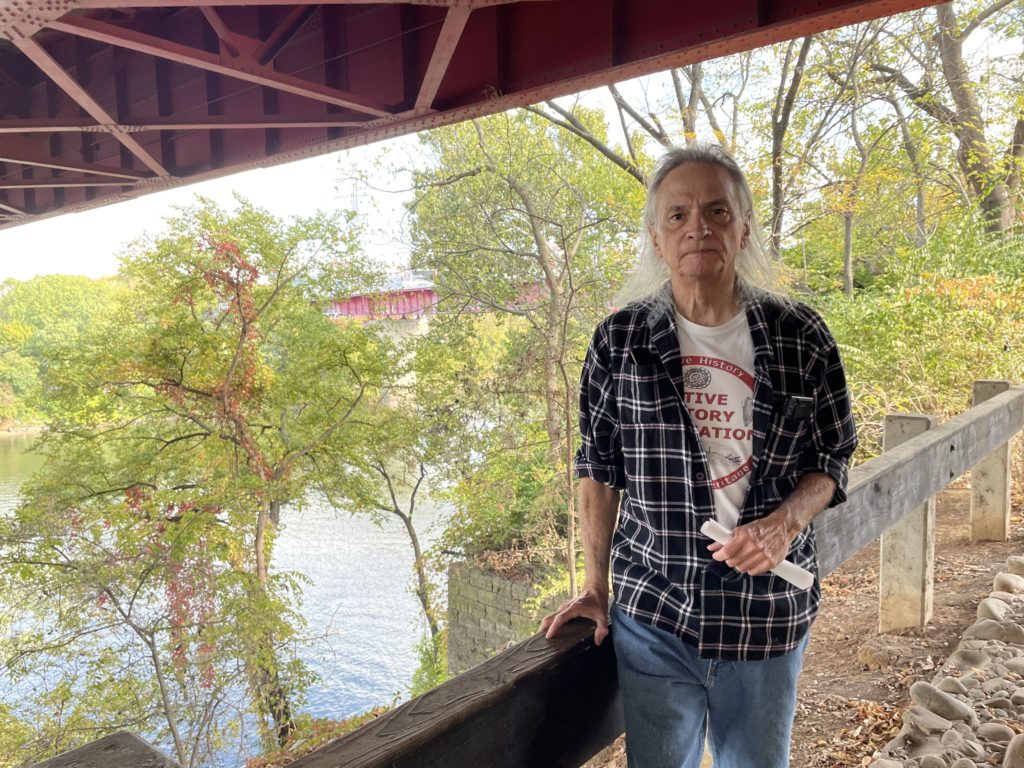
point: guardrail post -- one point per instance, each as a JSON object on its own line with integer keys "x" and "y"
{"x": 906, "y": 573}
{"x": 990, "y": 480}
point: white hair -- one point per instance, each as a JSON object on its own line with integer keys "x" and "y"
{"x": 754, "y": 269}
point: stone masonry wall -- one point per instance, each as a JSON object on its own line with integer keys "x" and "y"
{"x": 487, "y": 611}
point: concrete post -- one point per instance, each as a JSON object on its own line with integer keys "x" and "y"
{"x": 906, "y": 573}
{"x": 990, "y": 480}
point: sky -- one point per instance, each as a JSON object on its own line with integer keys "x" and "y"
{"x": 88, "y": 242}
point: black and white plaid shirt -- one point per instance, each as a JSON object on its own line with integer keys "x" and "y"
{"x": 637, "y": 436}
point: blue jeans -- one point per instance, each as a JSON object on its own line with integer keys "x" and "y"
{"x": 673, "y": 698}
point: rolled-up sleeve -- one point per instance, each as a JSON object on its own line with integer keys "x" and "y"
{"x": 600, "y": 453}
{"x": 833, "y": 435}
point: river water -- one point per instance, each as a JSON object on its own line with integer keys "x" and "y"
{"x": 363, "y": 620}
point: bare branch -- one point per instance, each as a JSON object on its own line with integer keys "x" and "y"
{"x": 655, "y": 130}
{"x": 572, "y": 124}
{"x": 983, "y": 15}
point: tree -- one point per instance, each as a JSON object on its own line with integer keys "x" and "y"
{"x": 513, "y": 218}
{"x": 217, "y": 396}
{"x": 947, "y": 91}
{"x": 764, "y": 87}
{"x": 790, "y": 79}
{"x": 385, "y": 469}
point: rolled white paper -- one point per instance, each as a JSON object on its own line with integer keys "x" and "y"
{"x": 799, "y": 577}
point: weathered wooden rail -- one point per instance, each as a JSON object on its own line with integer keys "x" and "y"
{"x": 555, "y": 703}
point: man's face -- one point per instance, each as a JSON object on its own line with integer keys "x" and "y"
{"x": 700, "y": 225}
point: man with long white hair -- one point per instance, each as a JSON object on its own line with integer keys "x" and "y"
{"x": 710, "y": 396}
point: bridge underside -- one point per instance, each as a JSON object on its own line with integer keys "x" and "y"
{"x": 103, "y": 100}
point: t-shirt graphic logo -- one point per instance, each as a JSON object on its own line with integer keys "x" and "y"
{"x": 696, "y": 378}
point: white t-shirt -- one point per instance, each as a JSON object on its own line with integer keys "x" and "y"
{"x": 718, "y": 382}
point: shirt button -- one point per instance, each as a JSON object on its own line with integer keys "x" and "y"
{"x": 699, "y": 475}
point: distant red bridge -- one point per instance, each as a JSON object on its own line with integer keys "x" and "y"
{"x": 405, "y": 298}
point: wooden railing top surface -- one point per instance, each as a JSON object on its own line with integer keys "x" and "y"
{"x": 540, "y": 703}
{"x": 118, "y": 750}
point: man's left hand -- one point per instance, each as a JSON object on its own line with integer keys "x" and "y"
{"x": 757, "y": 547}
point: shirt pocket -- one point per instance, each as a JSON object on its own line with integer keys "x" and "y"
{"x": 646, "y": 396}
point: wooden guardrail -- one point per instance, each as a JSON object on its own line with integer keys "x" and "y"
{"x": 555, "y": 703}
{"x": 886, "y": 488}
{"x": 118, "y": 750}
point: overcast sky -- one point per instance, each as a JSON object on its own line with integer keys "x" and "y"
{"x": 88, "y": 243}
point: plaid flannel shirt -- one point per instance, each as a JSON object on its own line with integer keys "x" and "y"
{"x": 637, "y": 436}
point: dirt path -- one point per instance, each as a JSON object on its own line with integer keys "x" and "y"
{"x": 854, "y": 684}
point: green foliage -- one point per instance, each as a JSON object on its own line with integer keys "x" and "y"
{"x": 495, "y": 191}
{"x": 918, "y": 349}
{"x": 310, "y": 734}
{"x": 502, "y": 502}
{"x": 514, "y": 218}
{"x": 433, "y": 664}
{"x": 42, "y": 320}
{"x": 186, "y": 420}
{"x": 554, "y": 587}
{"x": 15, "y": 734}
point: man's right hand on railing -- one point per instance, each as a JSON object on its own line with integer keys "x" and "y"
{"x": 592, "y": 604}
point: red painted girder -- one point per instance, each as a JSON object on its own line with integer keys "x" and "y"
{"x": 48, "y": 125}
{"x": 53, "y": 70}
{"x": 225, "y": 35}
{"x": 66, "y": 165}
{"x": 766, "y": 23}
{"x": 280, "y": 37}
{"x": 582, "y": 45}
{"x": 12, "y": 209}
{"x": 64, "y": 183}
{"x": 194, "y": 57}
{"x": 451, "y": 32}
{"x": 139, "y": 124}
{"x": 194, "y": 3}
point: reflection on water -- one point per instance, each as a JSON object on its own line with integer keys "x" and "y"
{"x": 16, "y": 464}
{"x": 359, "y": 603}
{"x": 360, "y": 610}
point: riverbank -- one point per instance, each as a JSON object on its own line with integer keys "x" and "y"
{"x": 15, "y": 429}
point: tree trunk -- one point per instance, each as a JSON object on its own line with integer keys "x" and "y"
{"x": 848, "y": 253}
{"x": 272, "y": 698}
{"x": 974, "y": 154}
{"x": 914, "y": 155}
{"x": 570, "y": 488}
{"x": 262, "y": 663}
{"x": 782, "y": 111}
{"x": 688, "y": 106}
{"x": 556, "y": 403}
{"x": 422, "y": 582}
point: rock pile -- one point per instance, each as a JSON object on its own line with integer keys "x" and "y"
{"x": 971, "y": 715}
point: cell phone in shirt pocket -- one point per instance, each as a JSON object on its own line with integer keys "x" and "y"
{"x": 798, "y": 407}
